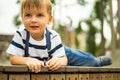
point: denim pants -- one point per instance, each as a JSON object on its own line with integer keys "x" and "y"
{"x": 79, "y": 58}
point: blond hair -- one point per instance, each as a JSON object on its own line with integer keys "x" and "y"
{"x": 27, "y": 4}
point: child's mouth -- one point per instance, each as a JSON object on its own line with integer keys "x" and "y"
{"x": 34, "y": 27}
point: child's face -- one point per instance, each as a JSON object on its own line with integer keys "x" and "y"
{"x": 36, "y": 20}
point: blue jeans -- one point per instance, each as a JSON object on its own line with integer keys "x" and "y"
{"x": 79, "y": 58}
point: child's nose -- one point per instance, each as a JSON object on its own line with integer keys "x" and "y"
{"x": 33, "y": 19}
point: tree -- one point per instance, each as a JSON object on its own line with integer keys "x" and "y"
{"x": 100, "y": 6}
{"x": 113, "y": 33}
{"x": 118, "y": 26}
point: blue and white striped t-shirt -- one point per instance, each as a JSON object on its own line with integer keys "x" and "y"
{"x": 36, "y": 48}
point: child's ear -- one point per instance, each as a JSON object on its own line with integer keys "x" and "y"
{"x": 50, "y": 19}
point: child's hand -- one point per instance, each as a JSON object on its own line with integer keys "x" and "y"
{"x": 54, "y": 63}
{"x": 34, "y": 64}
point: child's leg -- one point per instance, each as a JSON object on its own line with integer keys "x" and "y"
{"x": 79, "y": 58}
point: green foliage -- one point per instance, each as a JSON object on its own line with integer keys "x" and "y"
{"x": 53, "y": 1}
{"x": 90, "y": 40}
{"x": 98, "y": 9}
{"x": 78, "y": 29}
{"x": 62, "y": 31}
{"x": 82, "y": 2}
{"x": 18, "y": 1}
{"x": 17, "y": 21}
{"x": 77, "y": 43}
{"x": 98, "y": 12}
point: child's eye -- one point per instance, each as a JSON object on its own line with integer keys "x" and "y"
{"x": 27, "y": 15}
{"x": 40, "y": 15}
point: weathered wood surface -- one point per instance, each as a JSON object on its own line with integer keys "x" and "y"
{"x": 64, "y": 69}
{"x": 1, "y": 68}
{"x": 2, "y": 76}
{"x": 18, "y": 72}
{"x": 6, "y": 38}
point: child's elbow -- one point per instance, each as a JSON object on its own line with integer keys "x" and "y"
{"x": 65, "y": 60}
{"x": 11, "y": 59}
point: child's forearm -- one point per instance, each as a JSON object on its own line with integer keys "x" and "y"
{"x": 64, "y": 60}
{"x": 18, "y": 60}
{"x": 33, "y": 64}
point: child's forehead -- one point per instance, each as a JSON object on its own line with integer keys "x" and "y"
{"x": 34, "y": 9}
{"x": 33, "y": 6}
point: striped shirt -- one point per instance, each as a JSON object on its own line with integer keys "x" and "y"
{"x": 36, "y": 48}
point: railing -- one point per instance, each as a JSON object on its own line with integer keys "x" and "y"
{"x": 64, "y": 73}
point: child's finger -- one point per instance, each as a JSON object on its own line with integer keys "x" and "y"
{"x": 47, "y": 63}
{"x": 55, "y": 66}
{"x": 42, "y": 63}
{"x": 32, "y": 68}
{"x": 30, "y": 65}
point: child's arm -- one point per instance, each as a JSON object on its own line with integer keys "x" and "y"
{"x": 56, "y": 62}
{"x": 33, "y": 64}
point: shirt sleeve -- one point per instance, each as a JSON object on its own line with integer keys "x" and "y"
{"x": 57, "y": 49}
{"x": 16, "y": 46}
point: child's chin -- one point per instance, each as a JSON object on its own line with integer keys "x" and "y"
{"x": 36, "y": 32}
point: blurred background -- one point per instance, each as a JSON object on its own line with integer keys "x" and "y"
{"x": 88, "y": 25}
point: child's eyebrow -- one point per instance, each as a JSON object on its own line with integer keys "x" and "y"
{"x": 26, "y": 12}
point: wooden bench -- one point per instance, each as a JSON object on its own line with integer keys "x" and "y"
{"x": 64, "y": 73}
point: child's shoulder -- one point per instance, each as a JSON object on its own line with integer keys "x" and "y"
{"x": 53, "y": 32}
{"x": 21, "y": 32}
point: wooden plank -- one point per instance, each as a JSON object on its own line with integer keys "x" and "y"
{"x": 94, "y": 76}
{"x": 19, "y": 77}
{"x": 118, "y": 76}
{"x": 114, "y": 76}
{"x": 104, "y": 76}
{"x": 72, "y": 69}
{"x": 72, "y": 77}
{"x": 114, "y": 69}
{"x": 94, "y": 69}
{"x": 57, "y": 77}
{"x": 84, "y": 73}
{"x": 21, "y": 72}
{"x": 90, "y": 73}
{"x": 3, "y": 76}
{"x": 84, "y": 76}
{"x": 45, "y": 69}
{"x": 108, "y": 69}
{"x": 16, "y": 68}
{"x": 1, "y": 68}
{"x": 84, "y": 69}
{"x": 40, "y": 77}
{"x": 72, "y": 73}
{"x": 109, "y": 76}
{"x": 61, "y": 69}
